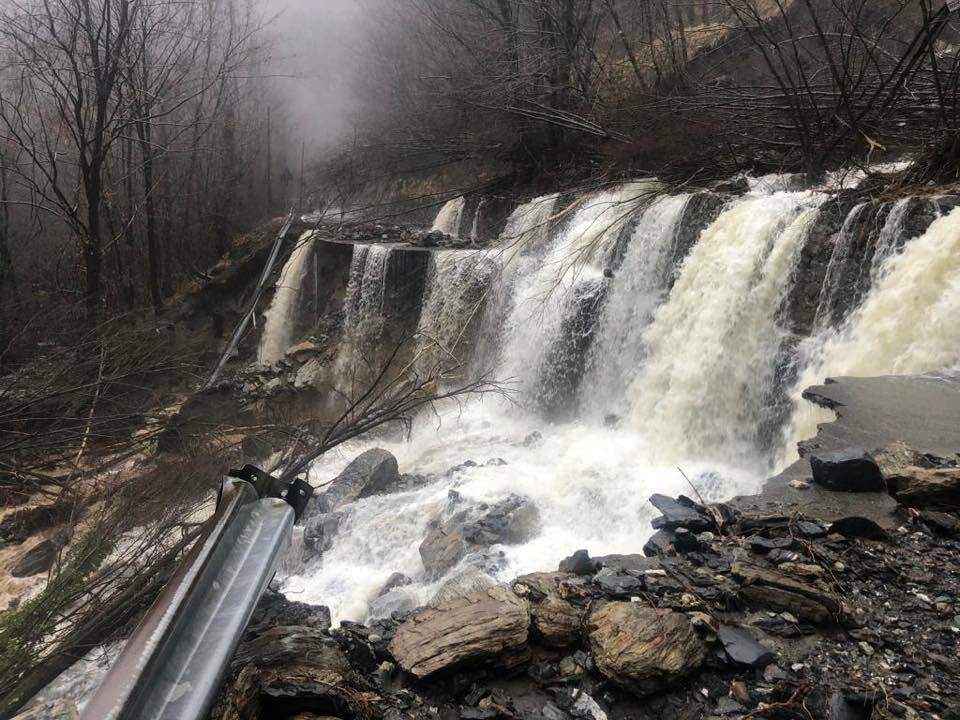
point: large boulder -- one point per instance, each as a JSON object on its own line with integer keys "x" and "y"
{"x": 509, "y": 522}
{"x": 641, "y": 648}
{"x": 479, "y": 628}
{"x": 371, "y": 473}
{"x": 556, "y": 622}
{"x": 849, "y": 470}
{"x": 927, "y": 487}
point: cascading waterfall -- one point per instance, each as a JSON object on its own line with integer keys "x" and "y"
{"x": 713, "y": 345}
{"x": 685, "y": 355}
{"x": 522, "y": 243}
{"x": 475, "y": 228}
{"x": 450, "y": 216}
{"x": 892, "y": 232}
{"x": 576, "y": 258}
{"x": 637, "y": 289}
{"x": 280, "y": 318}
{"x": 908, "y": 323}
{"x": 457, "y": 282}
{"x": 833, "y": 281}
{"x": 363, "y": 303}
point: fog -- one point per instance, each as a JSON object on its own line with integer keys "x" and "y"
{"x": 315, "y": 47}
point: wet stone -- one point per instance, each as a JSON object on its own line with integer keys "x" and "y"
{"x": 578, "y": 564}
{"x": 858, "y": 527}
{"x": 811, "y": 529}
{"x": 762, "y": 545}
{"x": 849, "y": 470}
{"x": 619, "y": 585}
{"x": 742, "y": 649}
{"x": 660, "y": 544}
{"x": 678, "y": 513}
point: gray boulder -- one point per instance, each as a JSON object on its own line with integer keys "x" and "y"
{"x": 318, "y": 533}
{"x": 374, "y": 472}
{"x": 509, "y": 522}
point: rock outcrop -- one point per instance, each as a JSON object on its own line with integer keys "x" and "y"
{"x": 642, "y": 648}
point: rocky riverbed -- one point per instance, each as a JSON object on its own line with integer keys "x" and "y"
{"x": 727, "y": 614}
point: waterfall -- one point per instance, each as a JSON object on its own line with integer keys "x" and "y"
{"x": 892, "y": 233}
{"x": 834, "y": 278}
{"x": 450, "y": 215}
{"x": 637, "y": 289}
{"x": 620, "y": 304}
{"x": 475, "y": 228}
{"x": 713, "y": 344}
{"x": 457, "y": 283}
{"x": 521, "y": 244}
{"x": 281, "y": 317}
{"x": 575, "y": 258}
{"x": 908, "y": 323}
{"x": 363, "y": 311}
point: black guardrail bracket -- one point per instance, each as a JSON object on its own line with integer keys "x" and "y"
{"x": 297, "y": 494}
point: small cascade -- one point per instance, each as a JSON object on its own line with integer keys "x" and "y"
{"x": 457, "y": 284}
{"x": 908, "y": 323}
{"x": 571, "y": 267}
{"x": 363, "y": 315}
{"x": 891, "y": 235}
{"x": 475, "y": 228}
{"x": 281, "y": 317}
{"x": 839, "y": 258}
{"x": 521, "y": 245}
{"x": 450, "y": 216}
{"x": 712, "y": 346}
{"x": 638, "y": 287}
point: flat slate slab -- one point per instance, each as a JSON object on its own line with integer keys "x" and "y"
{"x": 922, "y": 411}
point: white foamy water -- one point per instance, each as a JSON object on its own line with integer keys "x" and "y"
{"x": 589, "y": 483}
{"x": 713, "y": 344}
{"x": 541, "y": 297}
{"x": 908, "y": 323}
{"x": 637, "y": 289}
{"x": 457, "y": 283}
{"x": 281, "y": 317}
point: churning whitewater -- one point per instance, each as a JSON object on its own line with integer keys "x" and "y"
{"x": 638, "y": 361}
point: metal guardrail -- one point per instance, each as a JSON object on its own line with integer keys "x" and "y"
{"x": 172, "y": 665}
